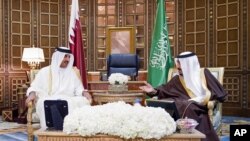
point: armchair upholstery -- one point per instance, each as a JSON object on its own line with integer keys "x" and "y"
{"x": 127, "y": 64}
{"x": 214, "y": 107}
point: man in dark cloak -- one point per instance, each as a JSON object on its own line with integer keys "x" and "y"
{"x": 191, "y": 89}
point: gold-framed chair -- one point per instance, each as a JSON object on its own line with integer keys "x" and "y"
{"x": 32, "y": 124}
{"x": 33, "y": 121}
{"x": 214, "y": 106}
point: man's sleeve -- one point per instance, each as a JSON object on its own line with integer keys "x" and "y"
{"x": 217, "y": 90}
{"x": 78, "y": 83}
{"x": 37, "y": 84}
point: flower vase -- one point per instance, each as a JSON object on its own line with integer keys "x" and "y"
{"x": 117, "y": 88}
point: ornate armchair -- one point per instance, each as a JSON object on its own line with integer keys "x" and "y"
{"x": 127, "y": 64}
{"x": 32, "y": 118}
{"x": 214, "y": 107}
{"x": 31, "y": 124}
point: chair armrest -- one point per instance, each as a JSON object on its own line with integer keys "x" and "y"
{"x": 210, "y": 105}
{"x": 30, "y": 129}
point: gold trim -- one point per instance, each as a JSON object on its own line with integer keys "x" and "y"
{"x": 189, "y": 92}
{"x": 204, "y": 85}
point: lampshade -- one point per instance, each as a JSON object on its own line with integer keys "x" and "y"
{"x": 33, "y": 56}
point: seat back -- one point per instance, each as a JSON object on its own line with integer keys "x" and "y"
{"x": 127, "y": 64}
{"x": 215, "y": 107}
{"x": 218, "y": 73}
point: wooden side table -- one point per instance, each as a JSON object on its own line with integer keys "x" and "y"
{"x": 128, "y": 97}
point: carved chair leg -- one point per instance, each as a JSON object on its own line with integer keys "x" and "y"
{"x": 29, "y": 122}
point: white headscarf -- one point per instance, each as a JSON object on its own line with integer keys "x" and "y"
{"x": 58, "y": 73}
{"x": 191, "y": 72}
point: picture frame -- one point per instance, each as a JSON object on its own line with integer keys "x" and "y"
{"x": 120, "y": 40}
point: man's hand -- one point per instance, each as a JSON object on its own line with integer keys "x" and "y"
{"x": 30, "y": 98}
{"x": 147, "y": 88}
{"x": 87, "y": 95}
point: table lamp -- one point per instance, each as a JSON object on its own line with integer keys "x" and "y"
{"x": 33, "y": 56}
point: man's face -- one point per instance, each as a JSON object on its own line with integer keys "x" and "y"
{"x": 178, "y": 66}
{"x": 65, "y": 61}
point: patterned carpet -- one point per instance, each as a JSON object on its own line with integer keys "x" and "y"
{"x": 231, "y": 120}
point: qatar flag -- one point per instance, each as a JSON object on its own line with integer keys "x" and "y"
{"x": 75, "y": 41}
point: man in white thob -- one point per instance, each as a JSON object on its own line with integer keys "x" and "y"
{"x": 60, "y": 80}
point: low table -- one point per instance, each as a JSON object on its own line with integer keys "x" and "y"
{"x": 60, "y": 136}
{"x": 128, "y": 97}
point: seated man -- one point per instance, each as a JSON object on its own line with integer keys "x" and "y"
{"x": 58, "y": 81}
{"x": 191, "y": 89}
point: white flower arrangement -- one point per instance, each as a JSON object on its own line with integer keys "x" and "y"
{"x": 118, "y": 79}
{"x": 120, "y": 119}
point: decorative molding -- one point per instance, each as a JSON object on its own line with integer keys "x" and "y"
{"x": 180, "y": 25}
{"x": 64, "y": 25}
{"x": 244, "y": 54}
{"x": 92, "y": 33}
{"x": 120, "y": 13}
{"x": 1, "y": 40}
{"x": 1, "y": 91}
{"x": 151, "y": 8}
{"x": 34, "y": 23}
{"x": 211, "y": 45}
{"x": 6, "y": 48}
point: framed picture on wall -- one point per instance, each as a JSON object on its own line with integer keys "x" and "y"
{"x": 120, "y": 40}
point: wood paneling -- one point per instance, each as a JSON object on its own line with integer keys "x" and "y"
{"x": 217, "y": 32}
{"x": 195, "y": 29}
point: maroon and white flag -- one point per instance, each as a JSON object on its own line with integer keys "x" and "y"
{"x": 75, "y": 41}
